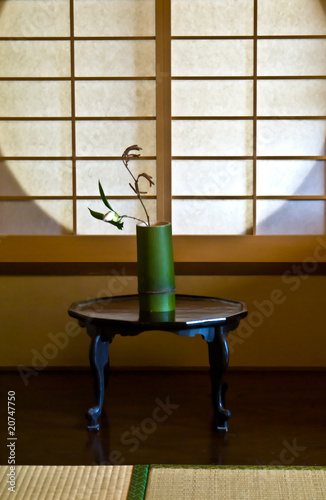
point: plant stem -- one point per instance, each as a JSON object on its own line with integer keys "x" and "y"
{"x": 125, "y": 162}
{"x": 141, "y": 201}
{"x": 135, "y": 218}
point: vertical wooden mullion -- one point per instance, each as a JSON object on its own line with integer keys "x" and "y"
{"x": 73, "y": 116}
{"x": 254, "y": 187}
{"x": 163, "y": 109}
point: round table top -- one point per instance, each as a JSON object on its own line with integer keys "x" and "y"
{"x": 191, "y": 311}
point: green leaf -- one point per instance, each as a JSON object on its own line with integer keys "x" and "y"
{"x": 118, "y": 224}
{"x": 96, "y": 215}
{"x": 104, "y": 199}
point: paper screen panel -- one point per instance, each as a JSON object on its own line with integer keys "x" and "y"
{"x": 108, "y": 138}
{"x": 291, "y": 97}
{"x": 212, "y": 216}
{"x": 211, "y": 137}
{"x": 27, "y": 18}
{"x": 114, "y": 18}
{"x": 291, "y": 177}
{"x": 291, "y": 57}
{"x": 212, "y": 98}
{"x": 291, "y": 137}
{"x": 35, "y": 138}
{"x": 36, "y": 178}
{"x": 209, "y": 17}
{"x": 212, "y": 57}
{"x": 86, "y": 224}
{"x": 113, "y": 176}
{"x": 291, "y": 17}
{"x": 290, "y": 217}
{"x": 34, "y": 58}
{"x": 115, "y": 98}
{"x": 31, "y": 98}
{"x": 211, "y": 177}
{"x": 36, "y": 217}
{"x": 115, "y": 58}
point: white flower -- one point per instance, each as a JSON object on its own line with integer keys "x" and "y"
{"x": 111, "y": 216}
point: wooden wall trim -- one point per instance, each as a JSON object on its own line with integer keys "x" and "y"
{"x": 181, "y": 269}
{"x": 187, "y": 249}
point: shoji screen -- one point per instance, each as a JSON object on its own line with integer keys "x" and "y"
{"x": 80, "y": 80}
{"x": 77, "y": 87}
{"x": 249, "y": 110}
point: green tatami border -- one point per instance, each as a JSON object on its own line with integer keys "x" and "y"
{"x": 138, "y": 482}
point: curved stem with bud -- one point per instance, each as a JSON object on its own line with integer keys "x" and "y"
{"x": 112, "y": 217}
{"x": 126, "y": 157}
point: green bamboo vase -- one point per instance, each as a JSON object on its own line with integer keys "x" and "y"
{"x": 156, "y": 283}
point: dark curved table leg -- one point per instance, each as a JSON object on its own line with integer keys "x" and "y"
{"x": 218, "y": 352}
{"x": 99, "y": 361}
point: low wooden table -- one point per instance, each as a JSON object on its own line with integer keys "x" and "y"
{"x": 210, "y": 317}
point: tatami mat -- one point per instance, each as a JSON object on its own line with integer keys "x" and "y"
{"x": 67, "y": 482}
{"x": 159, "y": 482}
{"x": 235, "y": 484}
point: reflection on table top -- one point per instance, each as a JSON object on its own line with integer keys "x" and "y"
{"x": 190, "y": 311}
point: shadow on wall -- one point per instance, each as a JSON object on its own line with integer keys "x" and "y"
{"x": 19, "y": 216}
{"x": 299, "y": 217}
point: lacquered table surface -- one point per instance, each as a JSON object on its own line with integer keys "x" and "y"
{"x": 191, "y": 311}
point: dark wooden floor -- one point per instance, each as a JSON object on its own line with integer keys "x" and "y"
{"x": 165, "y": 417}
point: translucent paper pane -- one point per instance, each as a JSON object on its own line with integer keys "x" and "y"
{"x": 290, "y": 217}
{"x": 291, "y": 177}
{"x": 86, "y": 224}
{"x": 108, "y": 138}
{"x": 212, "y": 216}
{"x": 34, "y": 58}
{"x": 115, "y": 58}
{"x": 291, "y": 97}
{"x": 113, "y": 176}
{"x": 114, "y": 17}
{"x": 34, "y": 18}
{"x": 291, "y": 137}
{"x": 36, "y": 217}
{"x": 211, "y": 17}
{"x": 212, "y": 98}
{"x": 212, "y": 58}
{"x": 31, "y": 98}
{"x": 291, "y": 17}
{"x": 211, "y": 177}
{"x": 35, "y": 138}
{"x": 35, "y": 178}
{"x": 291, "y": 57}
{"x": 112, "y": 98}
{"x": 211, "y": 137}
